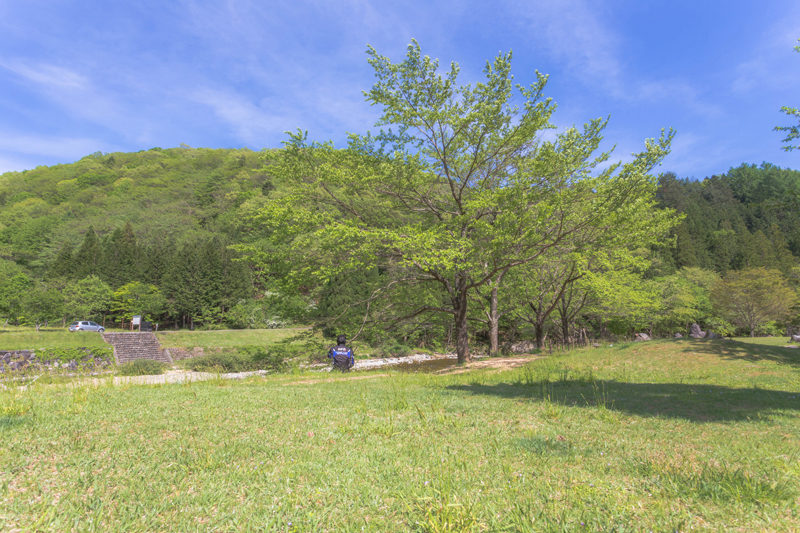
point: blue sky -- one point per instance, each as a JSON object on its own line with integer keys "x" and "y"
{"x": 78, "y": 77}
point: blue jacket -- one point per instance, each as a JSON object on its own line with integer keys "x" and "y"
{"x": 342, "y": 350}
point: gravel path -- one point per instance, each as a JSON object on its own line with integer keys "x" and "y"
{"x": 187, "y": 376}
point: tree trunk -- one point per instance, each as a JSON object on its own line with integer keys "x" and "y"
{"x": 461, "y": 325}
{"x": 539, "y": 335}
{"x": 494, "y": 324}
{"x": 565, "y": 329}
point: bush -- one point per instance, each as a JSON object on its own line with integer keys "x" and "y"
{"x": 247, "y": 358}
{"x": 215, "y": 362}
{"x": 721, "y": 327}
{"x": 142, "y": 367}
{"x": 65, "y": 355}
{"x": 393, "y": 349}
{"x": 274, "y": 358}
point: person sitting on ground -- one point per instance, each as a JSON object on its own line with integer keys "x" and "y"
{"x": 341, "y": 355}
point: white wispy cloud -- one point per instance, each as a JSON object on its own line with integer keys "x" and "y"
{"x": 60, "y": 147}
{"x": 573, "y": 33}
{"x": 46, "y": 75}
{"x": 772, "y": 63}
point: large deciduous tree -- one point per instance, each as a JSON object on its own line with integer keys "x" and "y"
{"x": 460, "y": 187}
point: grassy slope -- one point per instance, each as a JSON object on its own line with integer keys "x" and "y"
{"x": 662, "y": 436}
{"x": 28, "y": 339}
{"x": 225, "y": 338}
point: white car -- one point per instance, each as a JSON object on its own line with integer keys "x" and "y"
{"x": 86, "y": 325}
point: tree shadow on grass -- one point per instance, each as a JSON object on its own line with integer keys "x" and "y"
{"x": 731, "y": 349}
{"x": 8, "y": 422}
{"x": 696, "y": 403}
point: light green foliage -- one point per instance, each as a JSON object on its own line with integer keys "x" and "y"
{"x": 458, "y": 188}
{"x": 14, "y": 283}
{"x": 751, "y": 298}
{"x": 683, "y": 298}
{"x": 138, "y": 298}
{"x": 41, "y": 304}
{"x": 87, "y": 299}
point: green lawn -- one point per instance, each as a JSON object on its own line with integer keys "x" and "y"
{"x": 12, "y": 338}
{"x": 225, "y": 338}
{"x": 661, "y": 436}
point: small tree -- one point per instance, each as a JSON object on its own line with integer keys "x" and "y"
{"x": 138, "y": 298}
{"x": 87, "y": 298}
{"x": 14, "y": 283}
{"x": 41, "y": 305}
{"x": 751, "y": 298}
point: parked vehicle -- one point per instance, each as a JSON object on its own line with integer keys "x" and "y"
{"x": 86, "y": 325}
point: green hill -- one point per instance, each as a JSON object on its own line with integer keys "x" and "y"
{"x": 169, "y": 193}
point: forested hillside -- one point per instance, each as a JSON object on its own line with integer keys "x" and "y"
{"x": 747, "y": 217}
{"x": 181, "y": 235}
{"x": 144, "y": 232}
{"x": 166, "y": 195}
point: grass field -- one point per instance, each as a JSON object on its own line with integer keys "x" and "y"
{"x": 661, "y": 436}
{"x": 223, "y": 339}
{"x": 12, "y": 338}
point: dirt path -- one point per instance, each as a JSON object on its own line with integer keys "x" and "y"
{"x": 495, "y": 363}
{"x": 187, "y": 376}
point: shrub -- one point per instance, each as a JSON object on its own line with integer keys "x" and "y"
{"x": 215, "y": 362}
{"x": 65, "y": 355}
{"x": 274, "y": 358}
{"x": 393, "y": 349}
{"x": 247, "y": 358}
{"x": 142, "y": 367}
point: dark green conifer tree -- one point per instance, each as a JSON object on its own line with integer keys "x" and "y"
{"x": 88, "y": 258}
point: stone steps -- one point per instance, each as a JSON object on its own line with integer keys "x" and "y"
{"x": 135, "y": 345}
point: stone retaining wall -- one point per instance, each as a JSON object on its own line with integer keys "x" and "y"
{"x": 15, "y": 360}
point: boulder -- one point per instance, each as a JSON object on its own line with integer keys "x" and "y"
{"x": 696, "y": 332}
{"x": 678, "y": 336}
{"x": 795, "y": 338}
{"x": 523, "y": 347}
{"x": 639, "y": 337}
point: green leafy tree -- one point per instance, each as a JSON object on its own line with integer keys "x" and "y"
{"x": 683, "y": 298}
{"x": 751, "y": 298}
{"x": 88, "y": 298}
{"x": 459, "y": 187}
{"x": 793, "y": 131}
{"x": 137, "y": 298}
{"x": 14, "y": 284}
{"x": 42, "y": 304}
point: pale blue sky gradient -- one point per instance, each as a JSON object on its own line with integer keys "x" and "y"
{"x": 78, "y": 77}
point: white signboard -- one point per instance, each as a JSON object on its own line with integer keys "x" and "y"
{"x": 137, "y": 319}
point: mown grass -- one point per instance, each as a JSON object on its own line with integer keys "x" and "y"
{"x": 12, "y": 338}
{"x": 662, "y": 436}
{"x": 224, "y": 339}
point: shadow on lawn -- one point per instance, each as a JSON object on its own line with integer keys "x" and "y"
{"x": 697, "y": 403}
{"x": 731, "y": 349}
